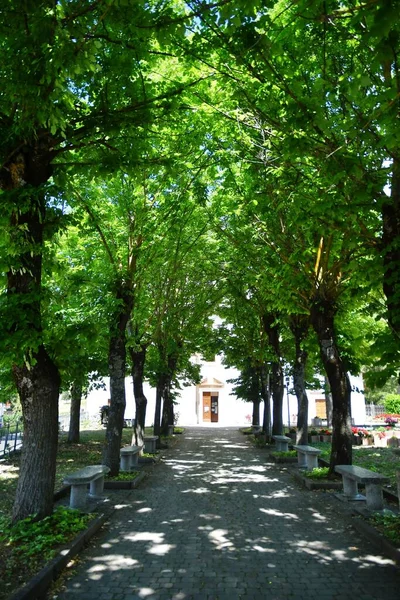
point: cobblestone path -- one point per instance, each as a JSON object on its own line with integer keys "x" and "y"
{"x": 216, "y": 521}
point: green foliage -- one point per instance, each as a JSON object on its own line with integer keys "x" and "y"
{"x": 123, "y": 476}
{"x": 317, "y": 473}
{"x": 389, "y": 525}
{"x": 391, "y": 403}
{"x": 31, "y": 542}
{"x": 285, "y": 454}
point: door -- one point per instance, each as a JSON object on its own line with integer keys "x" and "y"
{"x": 206, "y": 407}
{"x": 214, "y": 407}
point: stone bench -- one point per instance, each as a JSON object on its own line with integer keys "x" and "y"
{"x": 307, "y": 457}
{"x": 129, "y": 458}
{"x": 150, "y": 443}
{"x": 92, "y": 476}
{"x": 352, "y": 476}
{"x": 282, "y": 442}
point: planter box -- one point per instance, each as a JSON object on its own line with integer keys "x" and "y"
{"x": 124, "y": 485}
{"x": 312, "y": 439}
{"x": 284, "y": 459}
{"x": 318, "y": 484}
{"x": 326, "y": 438}
{"x": 357, "y": 440}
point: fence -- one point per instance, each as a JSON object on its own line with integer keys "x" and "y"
{"x": 10, "y": 439}
{"x": 373, "y": 410}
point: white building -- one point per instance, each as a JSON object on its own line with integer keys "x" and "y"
{"x": 210, "y": 402}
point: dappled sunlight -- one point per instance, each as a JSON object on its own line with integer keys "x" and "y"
{"x": 221, "y": 521}
{"x": 110, "y": 562}
{"x": 316, "y": 515}
{"x": 277, "y": 513}
{"x": 219, "y": 539}
{"x": 200, "y": 490}
{"x": 161, "y": 549}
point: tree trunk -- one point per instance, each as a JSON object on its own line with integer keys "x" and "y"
{"x": 322, "y": 318}
{"x": 256, "y": 413}
{"x": 117, "y": 371}
{"x": 168, "y": 409}
{"x": 299, "y": 325}
{"x": 391, "y": 249}
{"x": 138, "y": 361}
{"x": 115, "y": 423}
{"x": 75, "y": 413}
{"x": 272, "y": 330}
{"x": 160, "y": 388}
{"x": 328, "y": 400}
{"x": 38, "y": 389}
{"x": 36, "y": 376}
{"x": 265, "y": 394}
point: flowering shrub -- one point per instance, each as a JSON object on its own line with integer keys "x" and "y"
{"x": 360, "y": 431}
{"x": 325, "y": 432}
{"x": 391, "y": 421}
{"x": 385, "y": 416}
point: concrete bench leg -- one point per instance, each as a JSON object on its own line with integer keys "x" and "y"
{"x": 312, "y": 461}
{"x": 350, "y": 488}
{"x": 78, "y": 496}
{"x": 301, "y": 460}
{"x": 282, "y": 446}
{"x": 135, "y": 460}
{"x": 374, "y": 496}
{"x": 97, "y": 487}
{"x": 125, "y": 464}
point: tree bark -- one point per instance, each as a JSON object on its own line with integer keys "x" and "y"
{"x": 391, "y": 248}
{"x": 38, "y": 389}
{"x": 168, "y": 409}
{"x": 265, "y": 394}
{"x": 75, "y": 413}
{"x": 35, "y": 373}
{"x": 256, "y": 413}
{"x": 138, "y": 358}
{"x": 328, "y": 400}
{"x": 299, "y": 325}
{"x": 322, "y": 318}
{"x": 115, "y": 423}
{"x": 160, "y": 387}
{"x": 272, "y": 330}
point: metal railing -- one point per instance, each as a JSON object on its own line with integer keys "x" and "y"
{"x": 10, "y": 438}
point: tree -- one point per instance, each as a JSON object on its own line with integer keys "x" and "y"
{"x": 64, "y": 67}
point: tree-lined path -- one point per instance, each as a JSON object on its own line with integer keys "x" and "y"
{"x": 216, "y": 520}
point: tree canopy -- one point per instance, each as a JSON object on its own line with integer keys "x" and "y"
{"x": 164, "y": 161}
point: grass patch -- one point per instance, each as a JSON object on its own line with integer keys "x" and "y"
{"x": 389, "y": 525}
{"x": 379, "y": 460}
{"x": 286, "y": 454}
{"x": 27, "y": 546}
{"x": 123, "y": 476}
{"x": 317, "y": 473}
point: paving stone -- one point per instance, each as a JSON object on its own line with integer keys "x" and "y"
{"x": 216, "y": 521}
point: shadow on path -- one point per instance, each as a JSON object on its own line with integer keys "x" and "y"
{"x": 216, "y": 521}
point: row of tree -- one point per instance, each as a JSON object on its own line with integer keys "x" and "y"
{"x": 160, "y": 159}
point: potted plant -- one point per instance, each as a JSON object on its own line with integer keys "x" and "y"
{"x": 325, "y": 435}
{"x": 313, "y": 436}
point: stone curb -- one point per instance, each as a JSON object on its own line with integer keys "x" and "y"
{"x": 125, "y": 485}
{"x": 40, "y": 583}
{"x": 313, "y": 484}
{"x": 381, "y": 542}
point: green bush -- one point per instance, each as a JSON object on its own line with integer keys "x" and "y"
{"x": 317, "y": 473}
{"x": 392, "y": 403}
